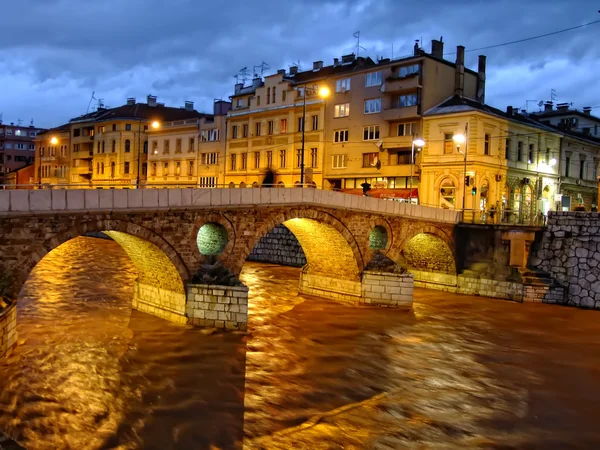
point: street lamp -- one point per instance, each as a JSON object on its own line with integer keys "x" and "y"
{"x": 323, "y": 92}
{"x": 419, "y": 143}
{"x": 54, "y": 140}
{"x": 155, "y": 124}
{"x": 460, "y": 139}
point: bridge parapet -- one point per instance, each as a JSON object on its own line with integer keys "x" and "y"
{"x": 65, "y": 201}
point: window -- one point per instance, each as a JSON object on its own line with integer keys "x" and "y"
{"x": 373, "y": 79}
{"x": 114, "y": 127}
{"x": 507, "y": 150}
{"x": 245, "y": 160}
{"x": 274, "y": 98}
{"x": 300, "y": 124}
{"x": 127, "y": 145}
{"x": 102, "y": 168}
{"x": 547, "y": 156}
{"x": 154, "y": 147}
{"x": 340, "y": 136}
{"x": 127, "y": 127}
{"x": 190, "y": 167}
{"x": 258, "y": 100}
{"x": 239, "y": 103}
{"x": 98, "y": 168}
{"x": 113, "y": 168}
{"x": 234, "y": 132}
{"x": 233, "y": 161}
{"x": 298, "y": 157}
{"x": 341, "y": 110}
{"x": 407, "y": 129}
{"x": 257, "y": 133}
{"x": 103, "y": 148}
{"x": 338, "y": 161}
{"x": 9, "y": 132}
{"x": 245, "y": 130}
{"x": 282, "y": 158}
{"x": 486, "y": 145}
{"x": 166, "y": 168}
{"x": 166, "y": 147}
{"x": 370, "y": 159}
{"x": 582, "y": 170}
{"x": 75, "y": 147}
{"x": 126, "y": 168}
{"x": 404, "y": 158}
{"x": 530, "y": 155}
{"x": 153, "y": 173}
{"x": 447, "y": 194}
{"x": 342, "y": 85}
{"x": 268, "y": 95}
{"x": 408, "y": 70}
{"x": 314, "y": 157}
{"x": 371, "y": 133}
{"x": 101, "y": 129}
{"x": 315, "y": 122}
{"x": 76, "y": 132}
{"x": 177, "y": 145}
{"x": 214, "y": 134}
{"x": 257, "y": 160}
{"x": 114, "y": 146}
{"x": 283, "y": 126}
{"x": 448, "y": 143}
{"x": 372, "y": 105}
{"x": 407, "y": 100}
{"x": 98, "y": 147}
{"x": 271, "y": 127}
{"x": 208, "y": 181}
{"x": 568, "y": 166}
{"x": 283, "y": 95}
{"x": 519, "y": 151}
{"x": 145, "y": 169}
{"x": 269, "y": 159}
{"x": 210, "y": 159}
{"x": 178, "y": 168}
{"x": 191, "y": 145}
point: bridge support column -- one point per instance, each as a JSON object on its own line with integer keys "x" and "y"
{"x": 216, "y": 306}
{"x": 159, "y": 302}
{"x": 8, "y": 328}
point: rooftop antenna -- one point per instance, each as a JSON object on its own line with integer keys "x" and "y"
{"x": 358, "y": 46}
{"x": 527, "y": 102}
{"x": 243, "y": 74}
{"x": 100, "y": 103}
{"x": 0, "y": 118}
{"x": 237, "y": 78}
{"x": 31, "y": 122}
{"x": 263, "y": 66}
{"x": 19, "y": 122}
{"x": 90, "y": 103}
{"x": 552, "y": 95}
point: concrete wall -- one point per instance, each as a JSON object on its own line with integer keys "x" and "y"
{"x": 218, "y": 306}
{"x": 279, "y": 246}
{"x": 159, "y": 302}
{"x": 24, "y": 202}
{"x": 8, "y": 328}
{"x": 570, "y": 253}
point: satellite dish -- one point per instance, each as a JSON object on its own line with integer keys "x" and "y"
{"x": 379, "y": 145}
{"x": 375, "y": 162}
{"x": 540, "y": 103}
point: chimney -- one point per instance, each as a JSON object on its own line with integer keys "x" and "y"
{"x": 293, "y": 70}
{"x": 336, "y": 62}
{"x": 238, "y": 88}
{"x": 509, "y": 110}
{"x": 587, "y": 110}
{"x": 131, "y": 101}
{"x": 481, "y": 79}
{"x": 317, "y": 65}
{"x": 562, "y": 106}
{"x": 256, "y": 82}
{"x": 459, "y": 81}
{"x": 548, "y": 106}
{"x": 416, "y": 49}
{"x": 221, "y": 107}
{"x": 189, "y": 106}
{"x": 348, "y": 58}
{"x": 437, "y": 48}
{"x": 151, "y": 100}
{"x": 281, "y": 72}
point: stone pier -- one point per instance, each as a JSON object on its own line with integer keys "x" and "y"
{"x": 216, "y": 306}
{"x": 8, "y": 328}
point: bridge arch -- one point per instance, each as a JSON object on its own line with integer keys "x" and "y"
{"x": 428, "y": 248}
{"x": 162, "y": 274}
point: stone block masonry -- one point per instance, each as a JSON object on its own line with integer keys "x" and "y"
{"x": 159, "y": 302}
{"x": 387, "y": 289}
{"x": 344, "y": 291}
{"x": 215, "y": 306}
{"x": 279, "y": 246}
{"x": 8, "y": 328}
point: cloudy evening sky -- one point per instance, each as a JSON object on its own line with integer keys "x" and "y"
{"x": 55, "y": 53}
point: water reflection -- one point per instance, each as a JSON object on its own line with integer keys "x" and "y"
{"x": 459, "y": 372}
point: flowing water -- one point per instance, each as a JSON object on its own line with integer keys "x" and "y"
{"x": 457, "y": 372}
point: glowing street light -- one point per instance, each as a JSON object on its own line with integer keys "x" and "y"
{"x": 460, "y": 139}
{"x": 322, "y": 92}
{"x": 419, "y": 143}
{"x": 156, "y": 124}
{"x": 552, "y": 162}
{"x": 54, "y": 140}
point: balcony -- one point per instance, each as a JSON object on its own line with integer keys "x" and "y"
{"x": 394, "y": 114}
{"x": 394, "y": 84}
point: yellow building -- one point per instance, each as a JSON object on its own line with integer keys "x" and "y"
{"x": 482, "y": 159}
{"x": 53, "y": 156}
{"x": 187, "y": 153}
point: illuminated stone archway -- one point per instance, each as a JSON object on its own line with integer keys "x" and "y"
{"x": 428, "y": 252}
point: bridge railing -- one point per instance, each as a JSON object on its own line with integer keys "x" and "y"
{"x": 503, "y": 217}
{"x": 53, "y": 201}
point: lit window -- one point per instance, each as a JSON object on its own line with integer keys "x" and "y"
{"x": 341, "y": 110}
{"x": 407, "y": 100}
{"x": 342, "y": 85}
{"x": 339, "y": 161}
{"x": 371, "y": 133}
{"x": 406, "y": 129}
{"x": 372, "y": 105}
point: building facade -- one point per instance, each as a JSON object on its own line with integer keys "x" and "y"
{"x": 361, "y": 132}
{"x": 17, "y": 147}
{"x": 53, "y": 156}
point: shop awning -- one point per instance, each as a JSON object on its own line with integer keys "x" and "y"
{"x": 386, "y": 193}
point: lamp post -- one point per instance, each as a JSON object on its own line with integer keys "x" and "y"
{"x": 323, "y": 93}
{"x": 419, "y": 143}
{"x": 460, "y": 139}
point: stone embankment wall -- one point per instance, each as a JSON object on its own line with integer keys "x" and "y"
{"x": 279, "y": 246}
{"x": 8, "y": 328}
{"x": 159, "y": 302}
{"x": 216, "y": 306}
{"x": 570, "y": 253}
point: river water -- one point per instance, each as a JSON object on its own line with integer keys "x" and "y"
{"x": 457, "y": 372}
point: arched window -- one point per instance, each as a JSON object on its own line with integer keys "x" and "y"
{"x": 102, "y": 146}
{"x": 255, "y": 185}
{"x": 127, "y": 146}
{"x": 281, "y": 184}
{"x": 114, "y": 146}
{"x": 97, "y": 168}
{"x": 112, "y": 169}
{"x": 102, "y": 168}
{"x": 242, "y": 184}
{"x": 447, "y": 194}
{"x": 483, "y": 197}
{"x": 232, "y": 184}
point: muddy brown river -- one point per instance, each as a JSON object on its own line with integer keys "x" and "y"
{"x": 458, "y": 372}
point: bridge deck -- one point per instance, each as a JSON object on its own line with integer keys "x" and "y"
{"x": 69, "y": 201}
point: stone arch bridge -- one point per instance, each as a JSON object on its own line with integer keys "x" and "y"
{"x": 160, "y": 230}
